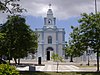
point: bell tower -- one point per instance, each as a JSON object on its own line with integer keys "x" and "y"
{"x": 51, "y": 38}
{"x": 49, "y": 20}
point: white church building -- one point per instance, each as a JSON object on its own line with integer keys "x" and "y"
{"x": 50, "y": 38}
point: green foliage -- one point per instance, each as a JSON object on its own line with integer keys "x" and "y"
{"x": 1, "y": 36}
{"x": 90, "y": 30}
{"x": 19, "y": 38}
{"x": 69, "y": 50}
{"x": 56, "y": 57}
{"x": 73, "y": 48}
{"x": 87, "y": 35}
{"x": 6, "y": 69}
{"x": 76, "y": 45}
{"x": 1, "y": 42}
{"x": 11, "y": 6}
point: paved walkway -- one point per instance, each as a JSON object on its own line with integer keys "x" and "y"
{"x": 61, "y": 68}
{"x": 51, "y": 66}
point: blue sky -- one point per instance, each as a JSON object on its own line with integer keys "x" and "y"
{"x": 37, "y": 22}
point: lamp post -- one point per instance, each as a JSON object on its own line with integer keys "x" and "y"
{"x": 97, "y": 50}
{"x": 88, "y": 53}
{"x": 88, "y": 60}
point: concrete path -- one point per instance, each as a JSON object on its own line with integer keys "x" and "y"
{"x": 61, "y": 68}
{"x": 51, "y": 67}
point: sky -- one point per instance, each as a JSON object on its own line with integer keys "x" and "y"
{"x": 67, "y": 12}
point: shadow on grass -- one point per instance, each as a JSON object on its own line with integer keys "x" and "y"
{"x": 59, "y": 73}
{"x": 34, "y": 73}
{"x": 88, "y": 73}
{"x": 47, "y": 73}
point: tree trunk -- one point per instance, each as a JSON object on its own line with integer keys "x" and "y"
{"x": 15, "y": 61}
{"x": 97, "y": 61}
{"x": 57, "y": 66}
{"x": 71, "y": 58}
{"x": 18, "y": 61}
{"x": 0, "y": 56}
{"x": 9, "y": 57}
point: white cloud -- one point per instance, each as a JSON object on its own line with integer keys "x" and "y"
{"x": 62, "y": 9}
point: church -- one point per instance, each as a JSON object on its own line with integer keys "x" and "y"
{"x": 50, "y": 38}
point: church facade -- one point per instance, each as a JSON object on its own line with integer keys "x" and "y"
{"x": 50, "y": 38}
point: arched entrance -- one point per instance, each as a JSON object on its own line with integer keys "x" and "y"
{"x": 49, "y": 52}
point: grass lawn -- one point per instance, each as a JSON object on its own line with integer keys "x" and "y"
{"x": 60, "y": 73}
{"x": 87, "y": 66}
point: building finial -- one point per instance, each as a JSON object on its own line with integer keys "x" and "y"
{"x": 49, "y": 6}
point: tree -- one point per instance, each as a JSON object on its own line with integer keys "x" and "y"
{"x": 69, "y": 51}
{"x": 88, "y": 33}
{"x": 56, "y": 58}
{"x": 11, "y": 6}
{"x": 19, "y": 39}
{"x": 75, "y": 47}
{"x": 72, "y": 51}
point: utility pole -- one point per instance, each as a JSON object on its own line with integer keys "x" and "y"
{"x": 95, "y": 6}
{"x": 97, "y": 49}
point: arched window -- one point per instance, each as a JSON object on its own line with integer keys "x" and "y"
{"x": 49, "y": 40}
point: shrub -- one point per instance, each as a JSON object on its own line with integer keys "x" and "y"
{"x": 6, "y": 69}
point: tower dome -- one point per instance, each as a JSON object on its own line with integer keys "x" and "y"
{"x": 49, "y": 12}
